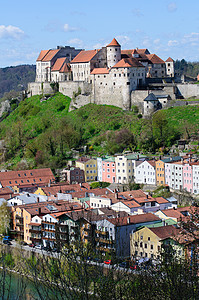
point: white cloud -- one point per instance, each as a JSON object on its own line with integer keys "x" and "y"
{"x": 11, "y": 32}
{"x": 76, "y": 42}
{"x": 192, "y": 37}
{"x": 137, "y": 13}
{"x": 123, "y": 39}
{"x": 172, "y": 7}
{"x": 99, "y": 46}
{"x": 67, "y": 28}
{"x": 156, "y": 42}
{"x": 172, "y": 43}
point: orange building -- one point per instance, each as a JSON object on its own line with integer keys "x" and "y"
{"x": 160, "y": 172}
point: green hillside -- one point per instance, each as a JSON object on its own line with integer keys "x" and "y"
{"x": 42, "y": 133}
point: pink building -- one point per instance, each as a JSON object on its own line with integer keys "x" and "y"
{"x": 108, "y": 170}
{"x": 187, "y": 177}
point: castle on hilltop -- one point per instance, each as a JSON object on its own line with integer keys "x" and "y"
{"x": 103, "y": 76}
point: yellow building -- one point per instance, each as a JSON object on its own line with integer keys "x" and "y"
{"x": 160, "y": 172}
{"x": 147, "y": 242}
{"x": 89, "y": 165}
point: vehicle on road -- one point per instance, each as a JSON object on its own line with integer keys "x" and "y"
{"x": 108, "y": 262}
{"x": 38, "y": 246}
{"x": 7, "y": 242}
{"x": 31, "y": 245}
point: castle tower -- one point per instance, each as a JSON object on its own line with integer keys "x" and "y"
{"x": 113, "y": 53}
{"x": 170, "y": 71}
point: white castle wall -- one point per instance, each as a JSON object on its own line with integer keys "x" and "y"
{"x": 188, "y": 90}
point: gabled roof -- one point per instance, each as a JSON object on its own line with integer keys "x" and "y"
{"x": 173, "y": 213}
{"x": 114, "y": 43}
{"x": 100, "y": 71}
{"x": 49, "y": 56}
{"x": 142, "y": 51}
{"x": 165, "y": 232}
{"x": 42, "y": 54}
{"x": 28, "y": 177}
{"x": 128, "y": 63}
{"x": 151, "y": 97}
{"x": 58, "y": 64}
{"x": 155, "y": 59}
{"x": 169, "y": 60}
{"x": 84, "y": 56}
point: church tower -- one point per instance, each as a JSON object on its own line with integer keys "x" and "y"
{"x": 113, "y": 53}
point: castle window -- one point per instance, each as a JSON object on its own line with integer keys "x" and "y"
{"x": 119, "y": 75}
{"x": 128, "y": 83}
{"x": 128, "y": 74}
{"x": 114, "y": 75}
{"x": 168, "y": 65}
{"x": 113, "y": 83}
{"x": 98, "y": 76}
{"x": 124, "y": 75}
{"x": 115, "y": 49}
{"x": 100, "y": 82}
{"x": 104, "y": 76}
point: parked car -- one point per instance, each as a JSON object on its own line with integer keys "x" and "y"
{"x": 124, "y": 264}
{"x": 108, "y": 262}
{"x": 38, "y": 246}
{"x": 7, "y": 242}
{"x": 7, "y": 238}
{"x": 24, "y": 243}
{"x": 31, "y": 245}
{"x": 134, "y": 267}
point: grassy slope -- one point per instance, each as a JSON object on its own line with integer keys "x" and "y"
{"x": 182, "y": 118}
{"x": 38, "y": 119}
{"x": 32, "y": 114}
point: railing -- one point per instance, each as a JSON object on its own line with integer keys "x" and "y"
{"x": 101, "y": 232}
{"x": 103, "y": 241}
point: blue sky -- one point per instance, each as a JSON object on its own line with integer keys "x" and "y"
{"x": 165, "y": 27}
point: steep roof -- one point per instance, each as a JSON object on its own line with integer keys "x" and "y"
{"x": 42, "y": 54}
{"x": 165, "y": 232}
{"x": 151, "y": 97}
{"x": 155, "y": 59}
{"x": 50, "y": 55}
{"x": 84, "y": 56}
{"x": 114, "y": 42}
{"x": 128, "y": 63}
{"x": 100, "y": 71}
{"x": 28, "y": 177}
{"x": 169, "y": 60}
{"x": 58, "y": 64}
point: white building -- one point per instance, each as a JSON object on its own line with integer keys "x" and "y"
{"x": 195, "y": 173}
{"x": 145, "y": 172}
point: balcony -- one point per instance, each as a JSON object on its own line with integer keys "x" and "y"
{"x": 49, "y": 238}
{"x": 104, "y": 249}
{"x": 35, "y": 230}
{"x": 101, "y": 232}
{"x": 100, "y": 240}
{"x": 49, "y": 223}
{"x": 19, "y": 217}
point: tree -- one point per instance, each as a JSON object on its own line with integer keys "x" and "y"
{"x": 4, "y": 218}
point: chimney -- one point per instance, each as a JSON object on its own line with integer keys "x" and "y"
{"x": 49, "y": 183}
{"x": 138, "y": 157}
{"x": 116, "y": 195}
{"x": 164, "y": 223}
{"x": 37, "y": 199}
{"x": 128, "y": 220}
{"x": 39, "y": 210}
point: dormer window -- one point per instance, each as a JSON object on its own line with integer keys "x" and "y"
{"x": 19, "y": 175}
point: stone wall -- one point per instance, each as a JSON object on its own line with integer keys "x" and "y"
{"x": 188, "y": 90}
{"x": 35, "y": 88}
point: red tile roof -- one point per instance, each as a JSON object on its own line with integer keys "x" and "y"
{"x": 50, "y": 55}
{"x": 65, "y": 189}
{"x": 169, "y": 60}
{"x": 155, "y": 59}
{"x": 27, "y": 177}
{"x": 137, "y": 219}
{"x": 165, "y": 232}
{"x": 100, "y": 71}
{"x": 113, "y": 43}
{"x": 131, "y": 204}
{"x": 173, "y": 213}
{"x": 42, "y": 54}
{"x": 128, "y": 63}
{"x": 6, "y": 193}
{"x": 58, "y": 64}
{"x": 65, "y": 68}
{"x": 84, "y": 56}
